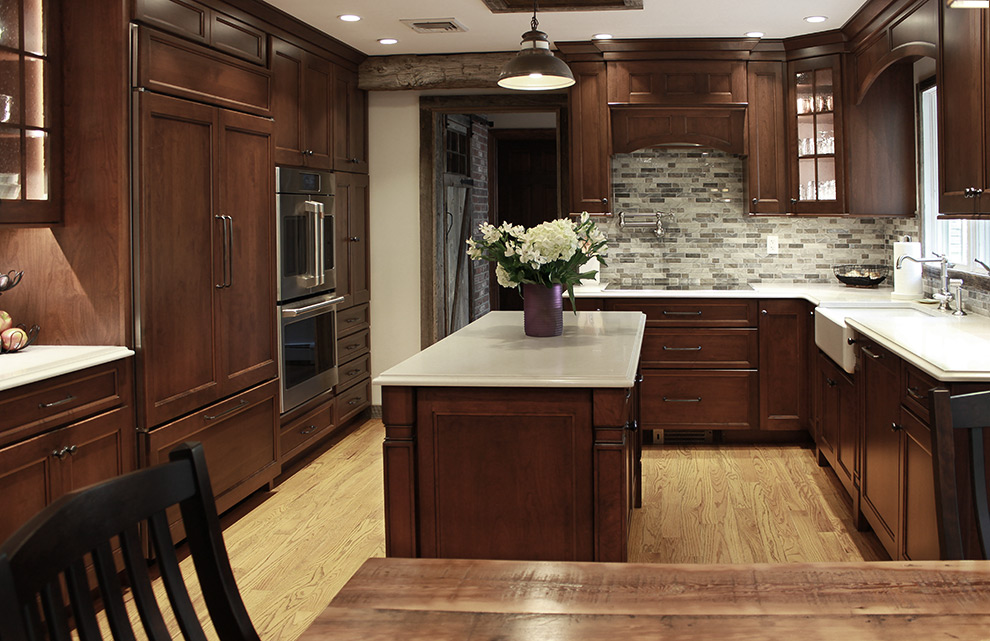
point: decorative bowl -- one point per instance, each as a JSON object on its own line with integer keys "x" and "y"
{"x": 861, "y": 275}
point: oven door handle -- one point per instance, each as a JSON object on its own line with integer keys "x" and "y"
{"x": 311, "y": 309}
{"x": 313, "y": 209}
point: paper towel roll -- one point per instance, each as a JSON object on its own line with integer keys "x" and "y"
{"x": 907, "y": 279}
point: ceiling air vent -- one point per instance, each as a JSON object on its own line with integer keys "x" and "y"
{"x": 435, "y": 25}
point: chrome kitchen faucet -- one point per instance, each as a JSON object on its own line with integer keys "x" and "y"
{"x": 944, "y": 295}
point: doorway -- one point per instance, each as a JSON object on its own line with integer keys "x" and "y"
{"x": 484, "y": 158}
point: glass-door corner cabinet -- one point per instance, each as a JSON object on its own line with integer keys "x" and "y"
{"x": 30, "y": 110}
{"x": 816, "y": 157}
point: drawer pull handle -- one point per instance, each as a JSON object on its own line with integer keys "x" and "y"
{"x": 682, "y": 349}
{"x": 352, "y": 372}
{"x": 230, "y": 411}
{"x": 353, "y": 346}
{"x": 681, "y": 400}
{"x": 867, "y": 351}
{"x": 895, "y": 427}
{"x": 668, "y": 313}
{"x": 354, "y": 401}
{"x": 65, "y": 400}
{"x": 831, "y": 383}
{"x": 60, "y": 454}
{"x": 351, "y": 320}
{"x": 308, "y": 430}
{"x": 915, "y": 394}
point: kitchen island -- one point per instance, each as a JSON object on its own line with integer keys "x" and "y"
{"x": 499, "y": 445}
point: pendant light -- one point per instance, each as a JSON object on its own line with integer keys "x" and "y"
{"x": 535, "y": 68}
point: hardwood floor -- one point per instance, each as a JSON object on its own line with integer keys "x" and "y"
{"x": 743, "y": 504}
{"x": 299, "y": 544}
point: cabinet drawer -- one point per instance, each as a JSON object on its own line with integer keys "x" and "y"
{"x": 879, "y": 355}
{"x": 353, "y": 371}
{"x": 353, "y": 345}
{"x": 306, "y": 429}
{"x": 352, "y": 319}
{"x": 694, "y": 348}
{"x": 915, "y": 386}
{"x": 46, "y": 404}
{"x": 710, "y": 399}
{"x": 689, "y": 312}
{"x": 352, "y": 401}
{"x": 238, "y": 437}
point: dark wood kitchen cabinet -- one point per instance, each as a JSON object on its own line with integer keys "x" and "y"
{"x": 964, "y": 111}
{"x": 767, "y": 161}
{"x": 590, "y": 136}
{"x": 880, "y": 391}
{"x": 302, "y": 94}
{"x": 204, "y": 259}
{"x": 350, "y": 123}
{"x": 919, "y": 535}
{"x": 63, "y": 433}
{"x": 31, "y": 136}
{"x": 816, "y": 171}
{"x": 783, "y": 363}
{"x": 838, "y": 434}
{"x": 351, "y": 207}
{"x": 205, "y": 25}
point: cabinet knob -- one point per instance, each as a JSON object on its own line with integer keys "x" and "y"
{"x": 355, "y": 239}
{"x": 354, "y": 160}
{"x": 831, "y": 383}
{"x": 307, "y": 152}
{"x": 894, "y": 427}
{"x": 764, "y": 312}
{"x": 605, "y": 201}
{"x": 755, "y": 201}
{"x": 793, "y": 201}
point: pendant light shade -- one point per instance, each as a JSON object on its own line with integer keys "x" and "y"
{"x": 535, "y": 68}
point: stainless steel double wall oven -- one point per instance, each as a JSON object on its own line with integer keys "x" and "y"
{"x": 307, "y": 305}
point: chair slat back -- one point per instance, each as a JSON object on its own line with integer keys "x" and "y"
{"x": 958, "y": 424}
{"x": 47, "y": 568}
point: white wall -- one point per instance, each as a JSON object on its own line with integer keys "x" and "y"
{"x": 393, "y": 150}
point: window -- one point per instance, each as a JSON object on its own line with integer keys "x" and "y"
{"x": 28, "y": 108}
{"x": 963, "y": 241}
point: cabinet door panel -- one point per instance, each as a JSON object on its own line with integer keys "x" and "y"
{"x": 961, "y": 104}
{"x": 287, "y": 100}
{"x": 766, "y": 166}
{"x": 103, "y": 448}
{"x": 26, "y": 481}
{"x": 589, "y": 136}
{"x": 920, "y": 532}
{"x": 351, "y": 208}
{"x": 315, "y": 111}
{"x": 246, "y": 306}
{"x": 350, "y": 138}
{"x": 783, "y": 361}
{"x": 176, "y": 265}
{"x": 881, "y": 471}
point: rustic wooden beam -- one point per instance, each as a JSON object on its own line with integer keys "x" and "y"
{"x": 453, "y": 71}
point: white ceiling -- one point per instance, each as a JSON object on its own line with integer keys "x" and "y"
{"x": 500, "y": 32}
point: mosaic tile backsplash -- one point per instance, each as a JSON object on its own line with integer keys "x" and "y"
{"x": 711, "y": 242}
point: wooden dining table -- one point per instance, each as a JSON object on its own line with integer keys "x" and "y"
{"x": 439, "y": 599}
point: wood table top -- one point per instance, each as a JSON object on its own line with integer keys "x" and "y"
{"x": 438, "y": 599}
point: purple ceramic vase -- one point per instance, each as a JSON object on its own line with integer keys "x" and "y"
{"x": 543, "y": 310}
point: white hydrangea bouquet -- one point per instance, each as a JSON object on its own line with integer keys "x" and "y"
{"x": 548, "y": 254}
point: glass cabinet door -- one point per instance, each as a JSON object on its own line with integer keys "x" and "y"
{"x": 817, "y": 157}
{"x": 28, "y": 110}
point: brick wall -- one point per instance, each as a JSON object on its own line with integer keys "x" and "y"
{"x": 480, "y": 288}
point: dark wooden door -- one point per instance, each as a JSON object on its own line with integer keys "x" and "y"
{"x": 98, "y": 448}
{"x": 783, "y": 365}
{"x": 247, "y": 336}
{"x": 881, "y": 472}
{"x": 28, "y": 481}
{"x": 301, "y": 90}
{"x": 178, "y": 269}
{"x": 962, "y": 97}
{"x": 591, "y": 140}
{"x": 526, "y": 184}
{"x": 920, "y": 534}
{"x": 351, "y": 209}
{"x": 350, "y": 136}
{"x": 767, "y": 128}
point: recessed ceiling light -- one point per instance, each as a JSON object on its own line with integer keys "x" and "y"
{"x": 755, "y": 34}
{"x": 349, "y": 17}
{"x": 387, "y": 41}
{"x": 602, "y": 36}
{"x": 816, "y": 19}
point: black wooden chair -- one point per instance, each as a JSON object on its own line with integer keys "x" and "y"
{"x": 46, "y": 559}
{"x": 958, "y": 425}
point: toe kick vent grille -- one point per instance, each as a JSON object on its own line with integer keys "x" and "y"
{"x": 683, "y": 437}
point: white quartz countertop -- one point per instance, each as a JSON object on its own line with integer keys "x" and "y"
{"x": 38, "y": 362}
{"x": 597, "y": 349}
{"x": 948, "y": 348}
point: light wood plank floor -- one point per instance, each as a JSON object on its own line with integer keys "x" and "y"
{"x": 702, "y": 504}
